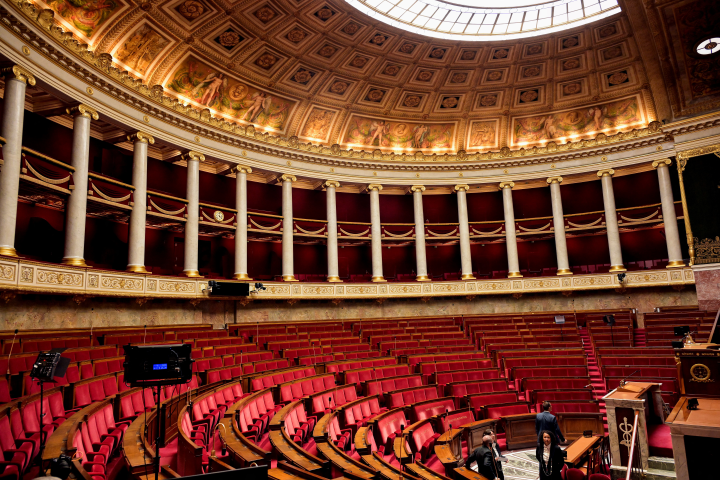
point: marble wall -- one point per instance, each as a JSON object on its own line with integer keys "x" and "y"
{"x": 707, "y": 283}
{"x": 51, "y": 311}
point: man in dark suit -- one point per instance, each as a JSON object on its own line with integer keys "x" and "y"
{"x": 547, "y": 421}
{"x": 484, "y": 458}
{"x": 495, "y": 450}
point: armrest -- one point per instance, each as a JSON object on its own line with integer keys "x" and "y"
{"x": 14, "y": 451}
{"x": 19, "y": 441}
{"x": 5, "y": 463}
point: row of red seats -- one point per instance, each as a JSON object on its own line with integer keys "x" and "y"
{"x": 133, "y": 402}
{"x": 408, "y": 396}
{"x": 460, "y": 347}
{"x": 530, "y": 385}
{"x": 384, "y": 385}
{"x": 298, "y": 425}
{"x": 341, "y": 366}
{"x": 297, "y": 389}
{"x": 21, "y": 345}
{"x": 443, "y": 378}
{"x": 356, "y": 414}
{"x": 253, "y": 416}
{"x": 271, "y": 379}
{"x": 97, "y": 440}
{"x": 521, "y": 373}
{"x": 474, "y": 387}
{"x": 501, "y": 355}
{"x": 513, "y": 364}
{"x": 323, "y": 402}
{"x": 478, "y": 402}
{"x": 426, "y": 369}
{"x": 440, "y": 357}
{"x": 359, "y": 375}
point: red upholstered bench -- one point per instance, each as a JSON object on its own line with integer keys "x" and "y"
{"x": 497, "y": 411}
{"x": 374, "y": 373}
{"x": 576, "y": 406}
{"x": 422, "y": 410}
{"x": 422, "y": 441}
{"x": 520, "y": 373}
{"x": 477, "y": 402}
{"x": 464, "y": 375}
{"x": 455, "y": 418}
{"x": 386, "y": 428}
{"x": 461, "y": 389}
{"x": 379, "y": 387}
{"x": 323, "y": 402}
{"x": 408, "y": 396}
{"x": 558, "y": 395}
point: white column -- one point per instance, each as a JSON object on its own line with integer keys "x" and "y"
{"x": 420, "y": 254}
{"x": 332, "y": 235}
{"x": 559, "y": 227}
{"x": 288, "y": 274}
{"x": 16, "y": 80}
{"x": 464, "y": 228}
{"x": 672, "y": 236}
{"x": 136, "y": 236}
{"x": 77, "y": 203}
{"x": 192, "y": 220}
{"x": 611, "y": 223}
{"x": 510, "y": 238}
{"x": 241, "y": 220}
{"x": 376, "y": 233}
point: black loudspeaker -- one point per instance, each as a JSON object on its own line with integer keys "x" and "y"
{"x": 681, "y": 331}
{"x": 677, "y": 344}
{"x": 609, "y": 320}
{"x": 48, "y": 365}
{"x": 153, "y": 365}
{"x": 228, "y": 289}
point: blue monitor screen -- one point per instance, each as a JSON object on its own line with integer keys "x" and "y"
{"x": 160, "y": 366}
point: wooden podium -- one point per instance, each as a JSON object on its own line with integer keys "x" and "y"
{"x": 622, "y": 405}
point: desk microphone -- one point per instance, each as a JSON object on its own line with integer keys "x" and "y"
{"x": 623, "y": 382}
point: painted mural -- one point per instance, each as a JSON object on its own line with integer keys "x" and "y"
{"x": 141, "y": 48}
{"x": 371, "y": 132}
{"x": 580, "y": 121}
{"x": 87, "y": 16}
{"x": 203, "y": 85}
{"x": 482, "y": 134}
{"x": 318, "y": 124}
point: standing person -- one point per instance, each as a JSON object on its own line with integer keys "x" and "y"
{"x": 550, "y": 456}
{"x": 484, "y": 457}
{"x": 547, "y": 421}
{"x": 495, "y": 450}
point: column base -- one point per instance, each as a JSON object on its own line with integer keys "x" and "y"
{"x": 564, "y": 271}
{"x": 334, "y": 279}
{"x": 676, "y": 264}
{"x": 192, "y": 273}
{"x": 8, "y": 252}
{"x": 289, "y": 278}
{"x": 74, "y": 262}
{"x": 514, "y": 275}
{"x": 378, "y": 279}
{"x": 241, "y": 276}
{"x": 136, "y": 269}
{"x": 618, "y": 269}
{"x": 422, "y": 278}
{"x": 467, "y": 276}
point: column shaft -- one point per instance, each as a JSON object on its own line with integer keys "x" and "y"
{"x": 136, "y": 236}
{"x": 464, "y": 228}
{"x": 241, "y": 241}
{"x": 332, "y": 232}
{"x": 192, "y": 222}
{"x": 75, "y": 216}
{"x": 672, "y": 235}
{"x": 611, "y": 223}
{"x": 559, "y": 227}
{"x": 510, "y": 238}
{"x": 288, "y": 274}
{"x": 376, "y": 233}
{"x": 420, "y": 254}
{"x": 16, "y": 79}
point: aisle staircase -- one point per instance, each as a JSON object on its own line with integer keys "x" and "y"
{"x": 639, "y": 337}
{"x": 596, "y": 379}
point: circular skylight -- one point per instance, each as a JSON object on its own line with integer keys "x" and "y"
{"x": 475, "y": 20}
{"x": 709, "y": 46}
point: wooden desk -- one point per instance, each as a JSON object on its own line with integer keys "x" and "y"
{"x": 465, "y": 473}
{"x": 285, "y": 471}
{"x": 401, "y": 449}
{"x": 362, "y": 446}
{"x": 345, "y": 463}
{"x": 321, "y": 427}
{"x": 58, "y": 441}
{"x": 577, "y": 451}
{"x": 520, "y": 431}
{"x": 573, "y": 424}
{"x": 420, "y": 470}
{"x": 387, "y": 471}
{"x": 694, "y": 432}
{"x": 293, "y": 453}
{"x": 240, "y": 449}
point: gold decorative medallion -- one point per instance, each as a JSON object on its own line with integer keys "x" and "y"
{"x": 218, "y": 216}
{"x": 146, "y": 119}
{"x": 25, "y": 50}
{"x": 700, "y": 373}
{"x": 89, "y": 90}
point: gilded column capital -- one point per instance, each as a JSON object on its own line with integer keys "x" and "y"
{"x": 83, "y": 110}
{"x": 331, "y": 183}
{"x": 462, "y": 187}
{"x": 374, "y": 186}
{"x": 606, "y": 173}
{"x": 241, "y": 169}
{"x": 286, "y": 177}
{"x": 19, "y": 73}
{"x": 506, "y": 185}
{"x": 664, "y": 161}
{"x": 141, "y": 137}
{"x": 417, "y": 188}
{"x": 554, "y": 180}
{"x": 192, "y": 155}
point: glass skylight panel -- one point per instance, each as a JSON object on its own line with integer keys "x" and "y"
{"x": 475, "y": 20}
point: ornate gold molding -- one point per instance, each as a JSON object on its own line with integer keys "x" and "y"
{"x": 552, "y": 180}
{"x": 417, "y": 188}
{"x": 681, "y": 164}
{"x": 374, "y": 186}
{"x": 503, "y": 185}
{"x": 286, "y": 177}
{"x": 20, "y": 73}
{"x": 193, "y": 156}
{"x": 83, "y": 110}
{"x": 696, "y": 152}
{"x": 331, "y": 183}
{"x": 462, "y": 187}
{"x": 606, "y": 173}
{"x": 141, "y": 137}
{"x": 664, "y": 161}
{"x": 241, "y": 169}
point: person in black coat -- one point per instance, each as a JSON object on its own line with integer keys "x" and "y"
{"x": 484, "y": 458}
{"x": 547, "y": 421}
{"x": 550, "y": 456}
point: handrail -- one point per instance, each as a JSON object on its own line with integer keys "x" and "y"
{"x": 632, "y": 460}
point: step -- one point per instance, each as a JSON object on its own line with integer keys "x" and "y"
{"x": 662, "y": 463}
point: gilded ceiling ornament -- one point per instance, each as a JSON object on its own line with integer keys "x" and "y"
{"x": 20, "y": 73}
{"x": 265, "y": 14}
{"x": 572, "y": 88}
{"x": 296, "y": 35}
{"x": 570, "y": 42}
{"x": 468, "y": 55}
{"x": 618, "y": 78}
{"x": 84, "y": 111}
{"x": 495, "y": 75}
{"x": 191, "y": 9}
{"x": 141, "y": 137}
{"x": 532, "y": 71}
{"x": 412, "y": 101}
{"x": 351, "y": 28}
{"x": 501, "y": 53}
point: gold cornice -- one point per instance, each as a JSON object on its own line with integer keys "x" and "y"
{"x": 554, "y": 180}
{"x": 417, "y": 188}
{"x": 462, "y": 187}
{"x": 193, "y": 156}
{"x": 141, "y": 137}
{"x": 241, "y": 169}
{"x": 286, "y": 177}
{"x": 503, "y": 185}
{"x": 609, "y": 172}
{"x": 665, "y": 161}
{"x": 696, "y": 152}
{"x": 19, "y": 73}
{"x": 83, "y": 110}
{"x": 331, "y": 183}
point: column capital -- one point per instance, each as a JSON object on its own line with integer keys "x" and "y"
{"x": 417, "y": 188}
{"x": 504, "y": 185}
{"x": 554, "y": 180}
{"x": 462, "y": 187}
{"x": 141, "y": 137}
{"x": 19, "y": 73}
{"x": 83, "y": 110}
{"x": 192, "y": 155}
{"x": 241, "y": 169}
{"x": 664, "y": 161}
{"x": 374, "y": 186}
{"x": 331, "y": 183}
{"x": 286, "y": 177}
{"x": 606, "y": 173}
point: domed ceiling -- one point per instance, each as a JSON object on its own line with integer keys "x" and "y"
{"x": 322, "y": 71}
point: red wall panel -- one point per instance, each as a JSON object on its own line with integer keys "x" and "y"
{"x": 396, "y": 209}
{"x": 353, "y": 207}
{"x": 485, "y": 207}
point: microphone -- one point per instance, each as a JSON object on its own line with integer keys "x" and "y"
{"x": 623, "y": 381}
{"x": 11, "y": 349}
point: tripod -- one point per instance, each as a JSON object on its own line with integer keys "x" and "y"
{"x": 42, "y": 434}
